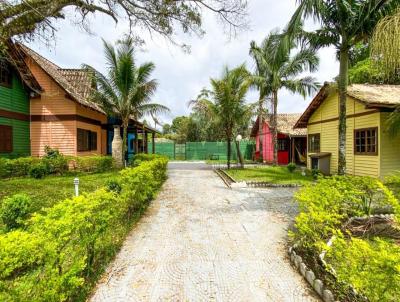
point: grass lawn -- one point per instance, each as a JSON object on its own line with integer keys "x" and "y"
{"x": 275, "y": 175}
{"x": 52, "y": 189}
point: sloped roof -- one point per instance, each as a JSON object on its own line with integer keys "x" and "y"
{"x": 376, "y": 94}
{"x": 75, "y": 82}
{"x": 372, "y": 96}
{"x": 16, "y": 58}
{"x": 286, "y": 122}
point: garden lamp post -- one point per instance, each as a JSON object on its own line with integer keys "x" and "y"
{"x": 239, "y": 154}
{"x": 76, "y": 184}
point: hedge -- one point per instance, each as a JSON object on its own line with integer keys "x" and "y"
{"x": 62, "y": 252}
{"x": 366, "y": 263}
{"x": 57, "y": 164}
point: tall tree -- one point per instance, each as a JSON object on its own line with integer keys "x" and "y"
{"x": 36, "y": 18}
{"x": 277, "y": 67}
{"x": 343, "y": 24}
{"x": 226, "y": 103}
{"x": 126, "y": 91}
{"x": 229, "y": 94}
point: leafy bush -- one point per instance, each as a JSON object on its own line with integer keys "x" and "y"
{"x": 16, "y": 167}
{"x": 114, "y": 185}
{"x": 62, "y": 251}
{"x": 369, "y": 265}
{"x": 94, "y": 164}
{"x": 315, "y": 173}
{"x": 146, "y": 157}
{"x": 372, "y": 267}
{"x": 14, "y": 210}
{"x": 38, "y": 171}
{"x": 291, "y": 167}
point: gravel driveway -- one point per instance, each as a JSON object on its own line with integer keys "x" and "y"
{"x": 201, "y": 241}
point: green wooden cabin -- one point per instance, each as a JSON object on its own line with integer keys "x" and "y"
{"x": 14, "y": 111}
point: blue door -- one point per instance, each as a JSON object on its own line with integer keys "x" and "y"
{"x": 131, "y": 144}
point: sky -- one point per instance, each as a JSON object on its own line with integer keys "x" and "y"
{"x": 182, "y": 75}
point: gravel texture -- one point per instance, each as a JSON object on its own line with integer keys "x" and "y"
{"x": 200, "y": 241}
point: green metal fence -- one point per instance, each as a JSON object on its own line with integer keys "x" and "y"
{"x": 203, "y": 150}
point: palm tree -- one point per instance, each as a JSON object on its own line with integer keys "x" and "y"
{"x": 385, "y": 44}
{"x": 229, "y": 94}
{"x": 127, "y": 89}
{"x": 277, "y": 68}
{"x": 343, "y": 24}
{"x": 228, "y": 105}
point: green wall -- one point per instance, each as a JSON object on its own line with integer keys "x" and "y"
{"x": 16, "y": 99}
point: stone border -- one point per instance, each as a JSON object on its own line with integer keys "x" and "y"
{"x": 251, "y": 184}
{"x": 319, "y": 287}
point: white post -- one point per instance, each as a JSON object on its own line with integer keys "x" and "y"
{"x": 76, "y": 183}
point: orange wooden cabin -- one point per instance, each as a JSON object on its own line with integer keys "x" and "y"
{"x": 61, "y": 117}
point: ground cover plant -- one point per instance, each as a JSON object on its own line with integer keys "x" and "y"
{"x": 59, "y": 254}
{"x": 364, "y": 252}
{"x": 270, "y": 174}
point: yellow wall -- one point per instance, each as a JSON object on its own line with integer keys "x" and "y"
{"x": 356, "y": 164}
{"x": 390, "y": 149}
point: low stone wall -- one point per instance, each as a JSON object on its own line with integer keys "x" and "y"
{"x": 319, "y": 287}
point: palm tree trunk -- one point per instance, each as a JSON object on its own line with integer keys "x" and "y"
{"x": 239, "y": 154}
{"x": 275, "y": 126}
{"x": 260, "y": 126}
{"x": 343, "y": 82}
{"x": 124, "y": 139}
{"x": 228, "y": 141}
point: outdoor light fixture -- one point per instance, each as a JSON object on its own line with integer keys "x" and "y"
{"x": 239, "y": 138}
{"x": 76, "y": 184}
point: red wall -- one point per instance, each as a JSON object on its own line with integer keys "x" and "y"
{"x": 267, "y": 146}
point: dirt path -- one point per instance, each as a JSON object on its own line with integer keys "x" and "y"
{"x": 201, "y": 241}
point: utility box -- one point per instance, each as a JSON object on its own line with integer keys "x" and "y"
{"x": 322, "y": 162}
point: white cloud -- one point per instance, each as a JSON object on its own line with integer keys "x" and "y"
{"x": 182, "y": 75}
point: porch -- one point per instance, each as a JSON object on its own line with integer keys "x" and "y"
{"x": 137, "y": 139}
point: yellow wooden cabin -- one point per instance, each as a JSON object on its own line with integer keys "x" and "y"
{"x": 370, "y": 149}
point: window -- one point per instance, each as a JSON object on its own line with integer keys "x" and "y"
{"x": 314, "y": 143}
{"x": 5, "y": 74}
{"x": 366, "y": 141}
{"x": 282, "y": 145}
{"x": 86, "y": 140}
{"x": 6, "y": 139}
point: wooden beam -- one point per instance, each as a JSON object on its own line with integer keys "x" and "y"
{"x": 146, "y": 142}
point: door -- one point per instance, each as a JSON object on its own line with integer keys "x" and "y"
{"x": 180, "y": 151}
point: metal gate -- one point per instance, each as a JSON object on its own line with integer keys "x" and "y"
{"x": 180, "y": 151}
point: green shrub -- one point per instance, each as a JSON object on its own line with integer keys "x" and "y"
{"x": 114, "y": 185}
{"x": 94, "y": 164}
{"x": 62, "y": 251}
{"x": 14, "y": 210}
{"x": 146, "y": 157}
{"x": 38, "y": 171}
{"x": 372, "y": 267}
{"x": 315, "y": 173}
{"x": 16, "y": 167}
{"x": 291, "y": 167}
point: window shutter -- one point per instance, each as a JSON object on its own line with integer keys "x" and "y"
{"x": 80, "y": 139}
{"x": 6, "y": 139}
{"x": 93, "y": 141}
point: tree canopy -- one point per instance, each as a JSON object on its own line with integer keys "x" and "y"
{"x": 36, "y": 18}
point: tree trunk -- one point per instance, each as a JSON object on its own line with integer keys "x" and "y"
{"x": 228, "y": 141}
{"x": 275, "y": 126}
{"x": 124, "y": 139}
{"x": 239, "y": 154}
{"x": 342, "y": 85}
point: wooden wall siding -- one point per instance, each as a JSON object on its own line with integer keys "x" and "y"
{"x": 21, "y": 143}
{"x": 16, "y": 98}
{"x": 59, "y": 135}
{"x": 389, "y": 149}
{"x": 355, "y": 164}
{"x": 53, "y": 99}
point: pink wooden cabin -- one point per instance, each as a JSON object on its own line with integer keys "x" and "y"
{"x": 292, "y": 143}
